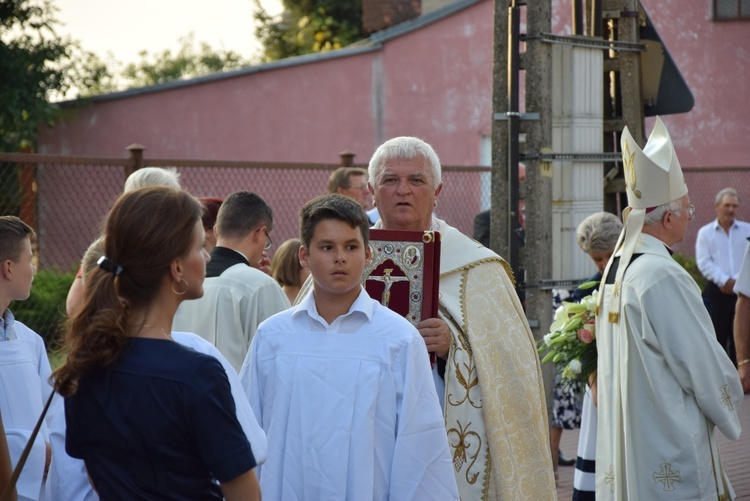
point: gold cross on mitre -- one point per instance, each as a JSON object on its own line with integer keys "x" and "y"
{"x": 659, "y": 177}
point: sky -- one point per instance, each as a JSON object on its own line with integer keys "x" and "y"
{"x": 125, "y": 28}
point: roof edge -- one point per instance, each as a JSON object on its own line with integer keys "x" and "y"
{"x": 213, "y": 77}
{"x": 373, "y": 43}
{"x": 420, "y": 21}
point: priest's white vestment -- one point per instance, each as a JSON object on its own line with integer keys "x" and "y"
{"x": 24, "y": 389}
{"x": 495, "y": 410}
{"x": 232, "y": 307}
{"x": 350, "y": 408}
{"x": 67, "y": 479}
{"x": 664, "y": 385}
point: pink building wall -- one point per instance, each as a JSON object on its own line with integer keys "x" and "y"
{"x": 433, "y": 82}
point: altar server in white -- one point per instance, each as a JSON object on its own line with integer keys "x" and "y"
{"x": 664, "y": 382}
{"x": 24, "y": 367}
{"x": 237, "y": 295}
{"x": 342, "y": 385}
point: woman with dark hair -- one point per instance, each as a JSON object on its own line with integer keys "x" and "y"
{"x": 150, "y": 418}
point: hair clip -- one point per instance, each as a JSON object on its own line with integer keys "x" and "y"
{"x": 109, "y": 265}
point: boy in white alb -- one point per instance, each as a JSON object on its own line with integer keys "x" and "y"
{"x": 24, "y": 367}
{"x": 341, "y": 385}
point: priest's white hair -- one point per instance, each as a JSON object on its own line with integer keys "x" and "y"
{"x": 404, "y": 148}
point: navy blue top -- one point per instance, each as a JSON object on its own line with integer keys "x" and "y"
{"x": 159, "y": 424}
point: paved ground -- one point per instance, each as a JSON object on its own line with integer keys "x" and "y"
{"x": 734, "y": 455}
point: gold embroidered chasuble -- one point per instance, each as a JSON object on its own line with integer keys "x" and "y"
{"x": 495, "y": 410}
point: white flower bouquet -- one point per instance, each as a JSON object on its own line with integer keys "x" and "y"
{"x": 571, "y": 342}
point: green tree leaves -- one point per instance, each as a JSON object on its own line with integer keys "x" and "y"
{"x": 189, "y": 61}
{"x": 307, "y": 26}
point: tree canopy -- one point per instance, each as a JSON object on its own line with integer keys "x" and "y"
{"x": 34, "y": 64}
{"x": 307, "y": 26}
{"x": 188, "y": 62}
{"x": 38, "y": 67}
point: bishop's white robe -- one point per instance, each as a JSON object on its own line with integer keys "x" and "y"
{"x": 664, "y": 385}
{"x": 24, "y": 389}
{"x": 350, "y": 409}
{"x": 67, "y": 479}
{"x": 232, "y": 307}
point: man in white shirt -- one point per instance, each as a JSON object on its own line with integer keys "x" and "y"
{"x": 718, "y": 251}
{"x": 236, "y": 296}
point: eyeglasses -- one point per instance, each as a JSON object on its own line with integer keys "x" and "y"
{"x": 269, "y": 242}
{"x": 690, "y": 210}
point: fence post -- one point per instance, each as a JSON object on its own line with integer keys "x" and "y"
{"x": 27, "y": 188}
{"x": 136, "y": 158}
{"x": 347, "y": 158}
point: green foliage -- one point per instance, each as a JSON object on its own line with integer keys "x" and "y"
{"x": 307, "y": 26}
{"x": 689, "y": 264}
{"x": 44, "y": 310}
{"x": 189, "y": 62}
{"x": 36, "y": 66}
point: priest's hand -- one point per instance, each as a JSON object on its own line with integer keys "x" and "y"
{"x": 436, "y": 336}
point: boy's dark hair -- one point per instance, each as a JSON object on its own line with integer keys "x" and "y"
{"x": 13, "y": 231}
{"x": 240, "y": 213}
{"x": 332, "y": 206}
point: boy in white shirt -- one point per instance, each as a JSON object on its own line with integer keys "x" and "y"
{"x": 341, "y": 385}
{"x": 24, "y": 367}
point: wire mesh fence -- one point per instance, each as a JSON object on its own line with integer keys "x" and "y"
{"x": 66, "y": 199}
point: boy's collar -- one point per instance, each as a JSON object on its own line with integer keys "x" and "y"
{"x": 362, "y": 304}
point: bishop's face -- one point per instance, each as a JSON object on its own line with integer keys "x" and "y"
{"x": 682, "y": 219}
{"x": 405, "y": 194}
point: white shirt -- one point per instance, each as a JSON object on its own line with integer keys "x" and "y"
{"x": 350, "y": 409}
{"x": 232, "y": 306}
{"x": 718, "y": 254}
{"x": 25, "y": 387}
